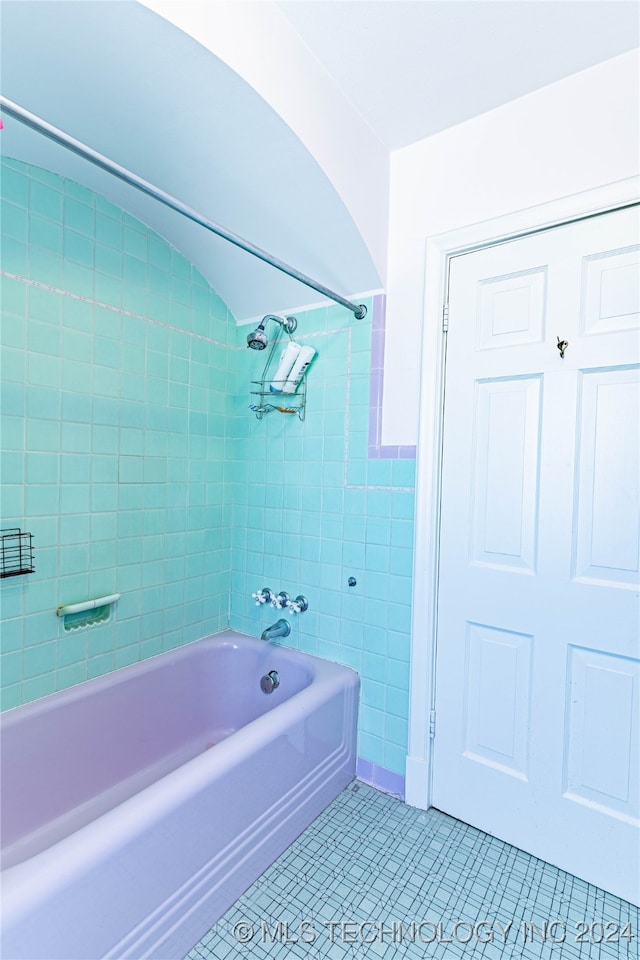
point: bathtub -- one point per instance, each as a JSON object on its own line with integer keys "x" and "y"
{"x": 138, "y": 806}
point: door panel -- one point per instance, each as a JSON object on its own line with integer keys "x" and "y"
{"x": 606, "y": 496}
{"x": 602, "y": 705}
{"x": 511, "y": 309}
{"x": 611, "y": 291}
{"x": 537, "y": 674}
{"x": 505, "y": 475}
{"x": 497, "y": 672}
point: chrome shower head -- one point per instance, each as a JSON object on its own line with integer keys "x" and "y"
{"x": 257, "y": 339}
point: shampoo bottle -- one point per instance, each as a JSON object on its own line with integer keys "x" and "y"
{"x": 299, "y": 369}
{"x": 287, "y": 360}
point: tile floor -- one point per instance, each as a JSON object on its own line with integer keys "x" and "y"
{"x": 374, "y": 878}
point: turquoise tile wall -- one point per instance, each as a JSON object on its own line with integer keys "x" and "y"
{"x": 129, "y": 451}
{"x": 116, "y": 365}
{"x": 311, "y": 510}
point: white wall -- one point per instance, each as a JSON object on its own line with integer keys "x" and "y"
{"x": 571, "y": 136}
{"x": 257, "y": 41}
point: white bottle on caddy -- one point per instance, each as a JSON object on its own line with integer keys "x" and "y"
{"x": 299, "y": 369}
{"x": 287, "y": 360}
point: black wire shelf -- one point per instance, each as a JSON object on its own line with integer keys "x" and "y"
{"x": 16, "y": 552}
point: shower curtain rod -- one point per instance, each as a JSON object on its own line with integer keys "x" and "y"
{"x": 14, "y": 110}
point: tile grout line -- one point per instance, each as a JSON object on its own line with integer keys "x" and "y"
{"x": 113, "y": 309}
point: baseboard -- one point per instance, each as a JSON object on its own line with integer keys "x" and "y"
{"x": 379, "y": 777}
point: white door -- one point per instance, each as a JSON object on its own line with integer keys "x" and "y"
{"x": 537, "y": 676}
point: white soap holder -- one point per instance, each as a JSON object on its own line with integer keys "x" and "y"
{"x": 87, "y": 613}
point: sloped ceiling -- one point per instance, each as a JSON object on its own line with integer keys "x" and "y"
{"x": 415, "y": 67}
{"x": 117, "y": 77}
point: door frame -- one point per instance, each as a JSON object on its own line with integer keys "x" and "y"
{"x": 440, "y": 250}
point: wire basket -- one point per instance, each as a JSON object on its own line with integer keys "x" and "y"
{"x": 16, "y": 552}
{"x": 266, "y": 400}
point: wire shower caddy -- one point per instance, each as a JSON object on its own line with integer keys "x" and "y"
{"x": 16, "y": 552}
{"x": 267, "y": 400}
{"x": 282, "y": 402}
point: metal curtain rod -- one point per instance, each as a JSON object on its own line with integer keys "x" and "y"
{"x": 63, "y": 139}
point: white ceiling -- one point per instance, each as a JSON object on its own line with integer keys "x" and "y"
{"x": 415, "y": 67}
{"x": 135, "y": 88}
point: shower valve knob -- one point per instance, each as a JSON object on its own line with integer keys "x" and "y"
{"x": 299, "y": 605}
{"x": 281, "y": 600}
{"x": 263, "y": 596}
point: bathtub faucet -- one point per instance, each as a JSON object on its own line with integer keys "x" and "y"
{"x": 280, "y": 629}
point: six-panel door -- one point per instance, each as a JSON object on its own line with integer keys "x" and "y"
{"x": 537, "y": 688}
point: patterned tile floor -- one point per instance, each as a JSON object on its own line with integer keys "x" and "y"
{"x": 374, "y": 878}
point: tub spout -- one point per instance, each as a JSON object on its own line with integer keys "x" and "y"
{"x": 280, "y": 629}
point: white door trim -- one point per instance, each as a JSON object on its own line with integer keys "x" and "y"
{"x": 439, "y": 251}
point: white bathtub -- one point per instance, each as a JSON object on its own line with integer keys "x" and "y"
{"x": 138, "y": 806}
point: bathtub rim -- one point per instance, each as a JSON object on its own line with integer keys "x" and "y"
{"x": 227, "y": 637}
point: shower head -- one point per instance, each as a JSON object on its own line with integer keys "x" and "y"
{"x": 257, "y": 339}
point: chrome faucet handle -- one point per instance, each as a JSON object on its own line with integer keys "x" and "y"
{"x": 281, "y": 600}
{"x": 299, "y": 605}
{"x": 263, "y": 596}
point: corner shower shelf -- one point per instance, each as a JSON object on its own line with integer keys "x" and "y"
{"x": 282, "y": 402}
{"x": 16, "y": 552}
